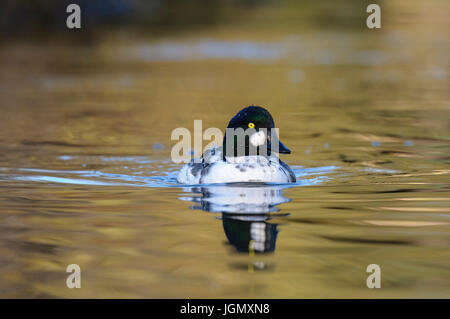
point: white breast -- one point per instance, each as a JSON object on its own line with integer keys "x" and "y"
{"x": 245, "y": 169}
{"x": 236, "y": 170}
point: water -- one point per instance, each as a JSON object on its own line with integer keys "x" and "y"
{"x": 86, "y": 175}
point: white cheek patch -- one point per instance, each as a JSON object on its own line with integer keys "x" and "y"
{"x": 258, "y": 138}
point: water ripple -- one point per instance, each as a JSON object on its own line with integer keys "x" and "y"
{"x": 139, "y": 171}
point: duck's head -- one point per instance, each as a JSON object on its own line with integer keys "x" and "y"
{"x": 259, "y": 137}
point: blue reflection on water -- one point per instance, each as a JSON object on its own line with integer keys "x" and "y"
{"x": 139, "y": 171}
{"x": 209, "y": 49}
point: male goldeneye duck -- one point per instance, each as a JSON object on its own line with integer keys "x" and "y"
{"x": 250, "y": 160}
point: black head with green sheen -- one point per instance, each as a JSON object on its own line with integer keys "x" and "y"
{"x": 255, "y": 119}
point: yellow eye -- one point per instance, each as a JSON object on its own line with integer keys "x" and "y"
{"x": 251, "y": 125}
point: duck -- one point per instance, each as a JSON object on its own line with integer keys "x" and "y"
{"x": 250, "y": 159}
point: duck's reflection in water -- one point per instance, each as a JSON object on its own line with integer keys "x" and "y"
{"x": 246, "y": 213}
{"x": 251, "y": 234}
